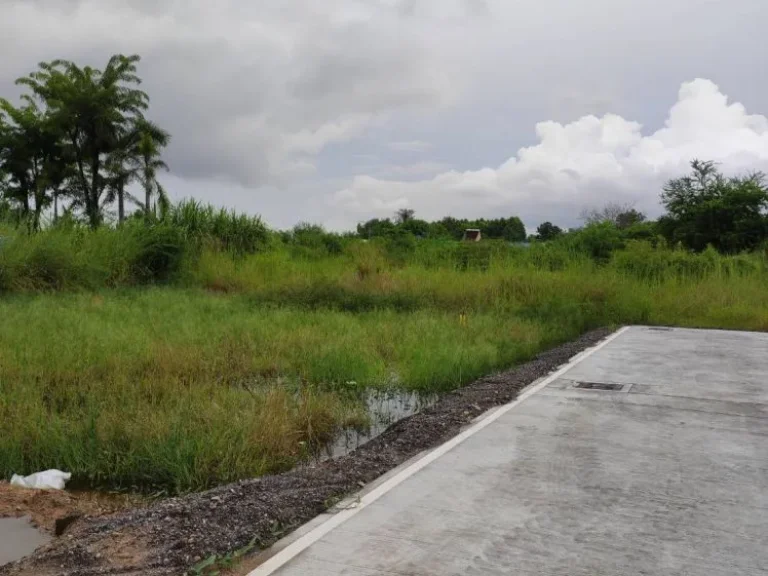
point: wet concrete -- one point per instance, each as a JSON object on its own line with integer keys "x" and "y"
{"x": 18, "y": 538}
{"x": 663, "y": 474}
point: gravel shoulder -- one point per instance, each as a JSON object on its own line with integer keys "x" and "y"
{"x": 169, "y": 537}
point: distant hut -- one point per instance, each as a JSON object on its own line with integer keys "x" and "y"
{"x": 472, "y": 235}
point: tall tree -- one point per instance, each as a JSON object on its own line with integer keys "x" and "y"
{"x": 146, "y": 157}
{"x": 32, "y": 156}
{"x": 548, "y": 231}
{"x": 136, "y": 158}
{"x": 120, "y": 174}
{"x": 621, "y": 215}
{"x": 706, "y": 208}
{"x": 94, "y": 109}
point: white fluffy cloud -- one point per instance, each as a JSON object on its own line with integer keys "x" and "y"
{"x": 587, "y": 162}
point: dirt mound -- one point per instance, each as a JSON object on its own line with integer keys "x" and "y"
{"x": 169, "y": 537}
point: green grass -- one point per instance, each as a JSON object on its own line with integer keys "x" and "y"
{"x": 138, "y": 366}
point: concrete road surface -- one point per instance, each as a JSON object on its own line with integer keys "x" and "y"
{"x": 658, "y": 467}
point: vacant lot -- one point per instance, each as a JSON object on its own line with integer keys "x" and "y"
{"x": 231, "y": 367}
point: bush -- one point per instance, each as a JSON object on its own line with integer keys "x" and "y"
{"x": 159, "y": 254}
{"x": 312, "y": 241}
{"x": 598, "y": 240}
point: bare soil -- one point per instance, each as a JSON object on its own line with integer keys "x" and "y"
{"x": 46, "y": 508}
{"x": 169, "y": 537}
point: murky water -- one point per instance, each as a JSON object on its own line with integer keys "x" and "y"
{"x": 18, "y": 538}
{"x": 385, "y": 408}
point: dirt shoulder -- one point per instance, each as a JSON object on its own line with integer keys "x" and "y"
{"x": 169, "y": 537}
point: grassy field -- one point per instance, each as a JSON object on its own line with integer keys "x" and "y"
{"x": 190, "y": 368}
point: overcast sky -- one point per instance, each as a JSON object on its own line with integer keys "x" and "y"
{"x": 337, "y": 111}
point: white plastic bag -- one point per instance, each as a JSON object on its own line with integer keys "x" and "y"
{"x": 48, "y": 480}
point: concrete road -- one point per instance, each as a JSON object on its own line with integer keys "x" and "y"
{"x": 665, "y": 474}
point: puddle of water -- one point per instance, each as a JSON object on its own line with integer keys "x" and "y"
{"x": 384, "y": 409}
{"x": 18, "y": 538}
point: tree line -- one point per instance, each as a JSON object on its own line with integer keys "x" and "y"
{"x": 511, "y": 229}
{"x": 77, "y": 141}
{"x": 703, "y": 208}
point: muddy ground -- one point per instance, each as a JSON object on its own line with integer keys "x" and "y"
{"x": 48, "y": 509}
{"x": 169, "y": 537}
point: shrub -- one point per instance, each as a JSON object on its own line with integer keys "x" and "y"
{"x": 159, "y": 253}
{"x": 598, "y": 240}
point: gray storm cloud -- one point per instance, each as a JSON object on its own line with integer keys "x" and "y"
{"x": 342, "y": 110}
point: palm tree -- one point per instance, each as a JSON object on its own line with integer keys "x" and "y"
{"x": 93, "y": 109}
{"x": 136, "y": 158}
{"x": 32, "y": 156}
{"x": 146, "y": 159}
{"x": 120, "y": 175}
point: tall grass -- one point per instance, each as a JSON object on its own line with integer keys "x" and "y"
{"x": 168, "y": 357}
{"x": 71, "y": 256}
{"x": 76, "y": 258}
{"x": 183, "y": 390}
{"x": 226, "y": 229}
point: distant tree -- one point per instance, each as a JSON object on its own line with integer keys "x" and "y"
{"x": 647, "y": 230}
{"x": 514, "y": 230}
{"x": 706, "y": 208}
{"x": 599, "y": 240}
{"x": 404, "y": 215}
{"x": 620, "y": 215}
{"x": 548, "y": 231}
{"x": 629, "y": 218}
{"x": 511, "y": 229}
{"x": 419, "y": 228}
{"x": 376, "y": 228}
{"x": 453, "y": 226}
{"x": 439, "y": 230}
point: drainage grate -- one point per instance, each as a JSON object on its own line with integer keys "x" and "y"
{"x": 660, "y": 329}
{"x": 598, "y": 386}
